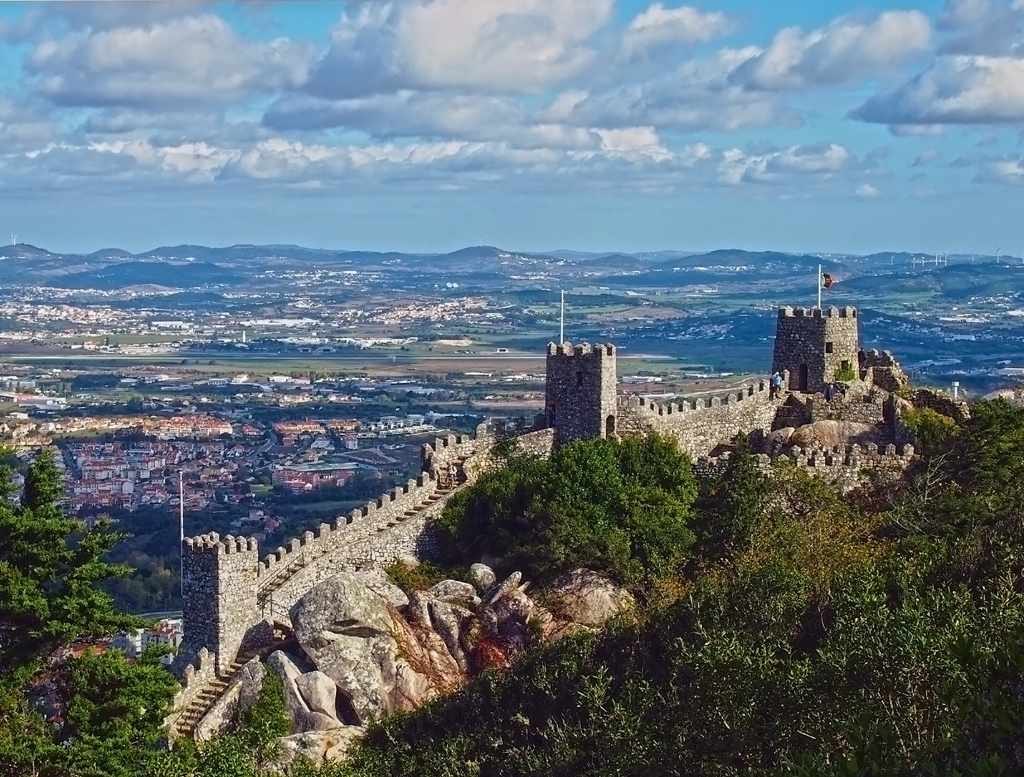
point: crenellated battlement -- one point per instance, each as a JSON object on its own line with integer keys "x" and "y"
{"x": 194, "y": 679}
{"x": 702, "y": 424}
{"x": 843, "y": 466}
{"x": 583, "y": 350}
{"x": 445, "y": 451}
{"x": 832, "y": 312}
{"x": 327, "y": 538}
{"x": 212, "y": 543}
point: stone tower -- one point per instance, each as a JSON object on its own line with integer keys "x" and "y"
{"x": 219, "y": 596}
{"x": 814, "y": 345}
{"x": 581, "y": 399}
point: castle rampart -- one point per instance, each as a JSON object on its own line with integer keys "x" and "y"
{"x": 846, "y": 467}
{"x": 701, "y": 425}
{"x": 194, "y": 678}
{"x": 814, "y": 345}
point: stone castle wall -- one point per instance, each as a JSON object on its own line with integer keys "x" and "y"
{"x": 882, "y": 370}
{"x": 702, "y": 425}
{"x": 580, "y": 394}
{"x": 194, "y": 678}
{"x": 814, "y": 344}
{"x": 845, "y": 468}
{"x": 445, "y": 451}
{"x": 231, "y": 597}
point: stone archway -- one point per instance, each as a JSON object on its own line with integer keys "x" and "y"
{"x": 803, "y": 379}
{"x": 609, "y": 426}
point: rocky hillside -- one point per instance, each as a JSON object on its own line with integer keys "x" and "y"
{"x": 363, "y": 649}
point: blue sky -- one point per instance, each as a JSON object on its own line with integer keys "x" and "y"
{"x": 427, "y": 125}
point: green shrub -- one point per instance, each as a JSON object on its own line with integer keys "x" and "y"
{"x": 846, "y": 373}
{"x": 623, "y": 508}
{"x": 420, "y": 577}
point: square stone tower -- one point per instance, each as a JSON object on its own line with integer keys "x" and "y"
{"x": 814, "y": 345}
{"x": 581, "y": 400}
{"x": 219, "y": 593}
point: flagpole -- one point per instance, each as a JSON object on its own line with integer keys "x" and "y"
{"x": 819, "y": 287}
{"x": 181, "y": 532}
{"x": 561, "y": 322}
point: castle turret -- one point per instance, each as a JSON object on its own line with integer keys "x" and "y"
{"x": 581, "y": 401}
{"x": 815, "y": 345}
{"x": 219, "y": 593}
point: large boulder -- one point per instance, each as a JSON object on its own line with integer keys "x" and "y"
{"x": 455, "y": 592}
{"x": 348, "y": 632}
{"x": 301, "y": 716}
{"x": 832, "y": 434}
{"x": 589, "y": 599}
{"x": 316, "y": 746}
{"x": 482, "y": 576}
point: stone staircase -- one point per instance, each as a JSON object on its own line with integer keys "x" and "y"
{"x": 185, "y": 726}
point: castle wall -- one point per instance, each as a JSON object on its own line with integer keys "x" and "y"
{"x": 195, "y": 676}
{"x": 445, "y": 451}
{"x": 580, "y": 396}
{"x": 845, "y": 468}
{"x": 882, "y": 370}
{"x": 813, "y": 345}
{"x": 701, "y": 425}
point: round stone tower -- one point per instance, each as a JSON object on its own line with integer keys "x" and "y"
{"x": 814, "y": 345}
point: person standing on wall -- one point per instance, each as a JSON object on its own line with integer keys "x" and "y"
{"x": 776, "y": 386}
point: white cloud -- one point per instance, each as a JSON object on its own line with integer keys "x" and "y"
{"x": 957, "y": 14}
{"x": 195, "y": 60}
{"x": 955, "y": 90}
{"x": 1007, "y": 170}
{"x": 842, "y": 52}
{"x": 695, "y": 95}
{"x": 658, "y": 27}
{"x": 822, "y": 162}
{"x": 866, "y": 191}
{"x": 496, "y": 46}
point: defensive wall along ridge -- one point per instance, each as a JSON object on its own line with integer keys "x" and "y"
{"x": 235, "y": 603}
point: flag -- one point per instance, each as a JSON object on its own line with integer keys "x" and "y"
{"x": 827, "y": 281}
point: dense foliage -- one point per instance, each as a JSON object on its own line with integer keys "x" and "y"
{"x": 624, "y": 508}
{"x": 809, "y": 632}
{"x": 879, "y": 633}
{"x": 105, "y": 713}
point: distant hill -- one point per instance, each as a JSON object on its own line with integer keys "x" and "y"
{"x": 188, "y": 275}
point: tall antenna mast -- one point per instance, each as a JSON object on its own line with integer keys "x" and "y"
{"x": 181, "y": 534}
{"x": 561, "y": 321}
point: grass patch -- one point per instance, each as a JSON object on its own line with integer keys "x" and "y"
{"x": 422, "y": 576}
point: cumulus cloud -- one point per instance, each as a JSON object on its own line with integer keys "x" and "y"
{"x": 1008, "y": 170}
{"x": 819, "y": 161}
{"x": 954, "y": 90}
{"x": 957, "y": 14}
{"x": 846, "y": 50}
{"x": 696, "y": 95}
{"x": 659, "y": 27}
{"x": 866, "y": 191}
{"x": 195, "y": 59}
{"x": 496, "y": 46}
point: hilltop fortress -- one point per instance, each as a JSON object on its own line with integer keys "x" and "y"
{"x": 237, "y": 606}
